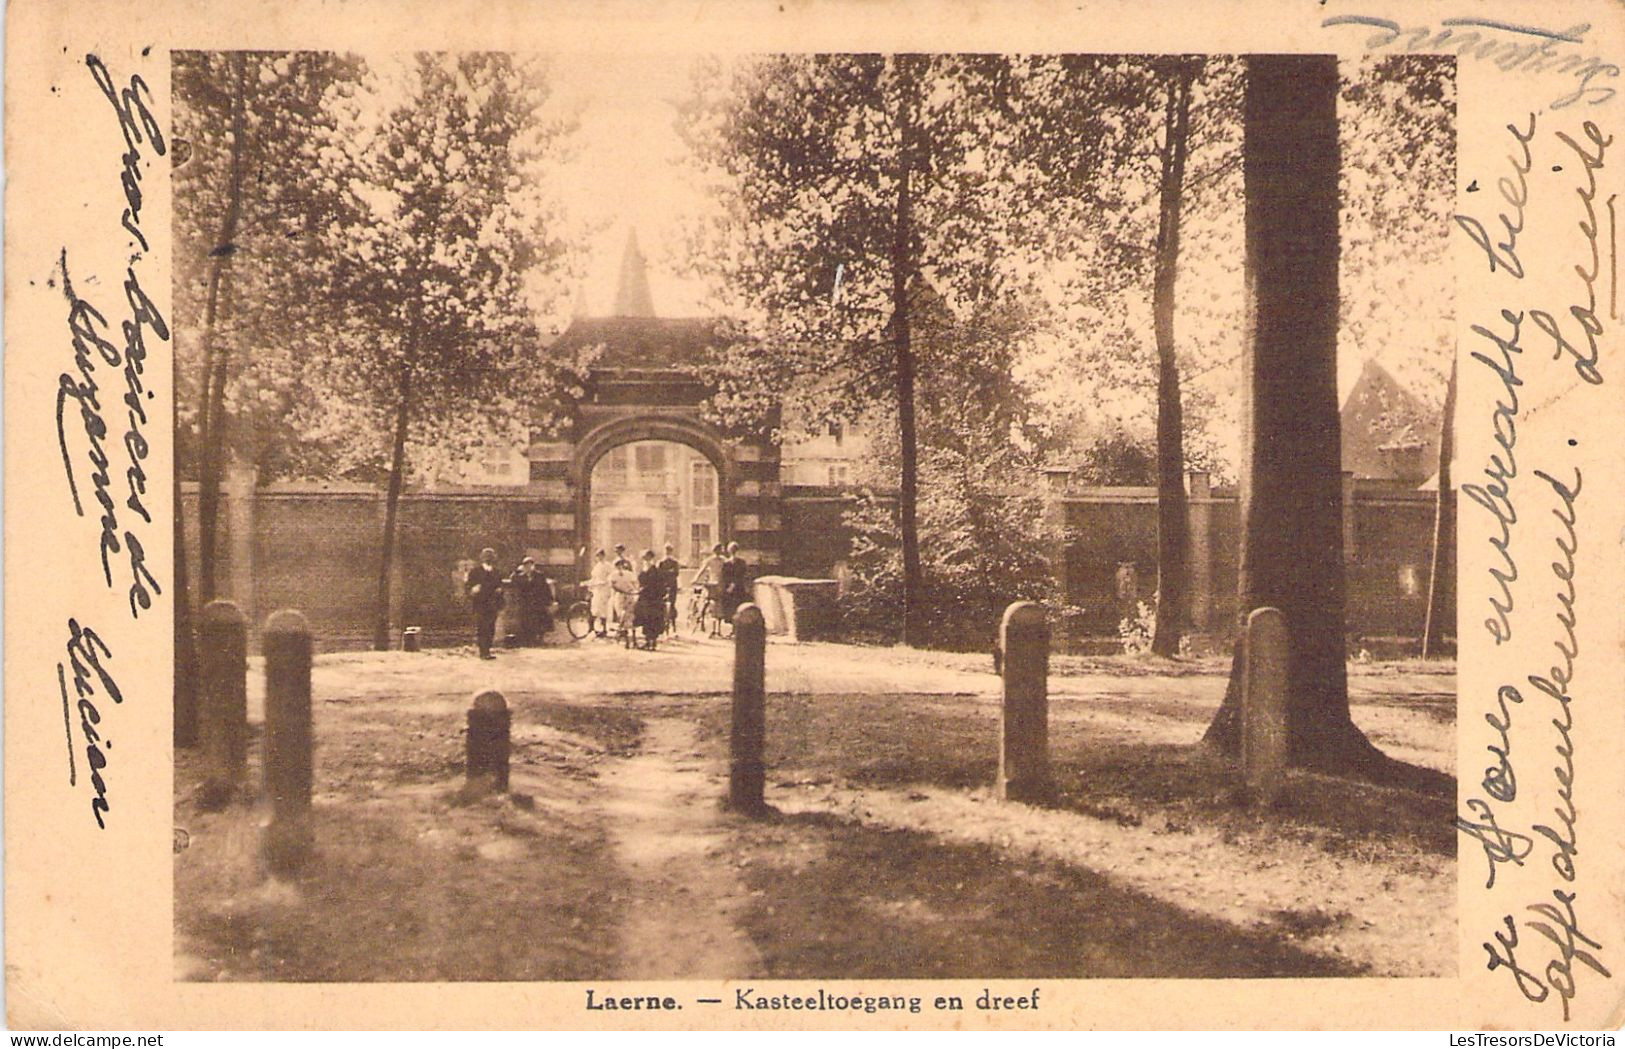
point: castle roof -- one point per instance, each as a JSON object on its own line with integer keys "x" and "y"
{"x": 1388, "y": 433}
{"x": 641, "y": 343}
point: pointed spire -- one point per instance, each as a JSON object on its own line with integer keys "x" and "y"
{"x": 632, "y": 295}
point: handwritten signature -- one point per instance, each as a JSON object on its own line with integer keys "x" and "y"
{"x": 86, "y": 651}
{"x": 1506, "y": 45}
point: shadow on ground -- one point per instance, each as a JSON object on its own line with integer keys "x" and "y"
{"x": 925, "y": 909}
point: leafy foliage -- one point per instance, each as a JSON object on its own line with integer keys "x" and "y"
{"x": 413, "y": 180}
{"x": 270, "y": 326}
{"x": 438, "y": 243}
{"x": 985, "y": 537}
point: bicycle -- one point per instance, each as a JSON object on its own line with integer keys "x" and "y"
{"x": 578, "y": 620}
{"x": 695, "y": 610}
{"x": 705, "y": 607}
{"x": 669, "y": 607}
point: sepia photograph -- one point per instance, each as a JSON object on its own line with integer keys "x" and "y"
{"x": 822, "y": 515}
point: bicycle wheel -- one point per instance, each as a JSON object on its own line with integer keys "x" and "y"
{"x": 712, "y": 618}
{"x": 579, "y": 620}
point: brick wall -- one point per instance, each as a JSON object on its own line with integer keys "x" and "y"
{"x": 1387, "y": 562}
{"x": 814, "y": 537}
{"x": 315, "y": 548}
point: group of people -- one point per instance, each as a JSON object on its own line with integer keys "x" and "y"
{"x": 532, "y": 601}
{"x": 726, "y": 576}
{"x": 645, "y": 601}
{"x": 635, "y": 600}
{"x": 641, "y": 600}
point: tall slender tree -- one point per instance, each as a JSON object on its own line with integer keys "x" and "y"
{"x": 249, "y": 196}
{"x": 445, "y": 255}
{"x": 1172, "y": 523}
{"x": 221, "y": 249}
{"x": 1118, "y": 184}
{"x": 245, "y": 198}
{"x": 1442, "y": 569}
{"x": 848, "y": 183}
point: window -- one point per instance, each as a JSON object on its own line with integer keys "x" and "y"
{"x": 838, "y": 474}
{"x": 651, "y": 458}
{"x": 705, "y": 484}
{"x": 616, "y": 469}
{"x": 700, "y": 537}
{"x": 837, "y": 431}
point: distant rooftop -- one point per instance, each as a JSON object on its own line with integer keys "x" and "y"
{"x": 641, "y": 343}
{"x": 1388, "y": 433}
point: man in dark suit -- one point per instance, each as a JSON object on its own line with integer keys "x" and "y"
{"x": 669, "y": 567}
{"x": 735, "y": 582}
{"x": 484, "y": 588}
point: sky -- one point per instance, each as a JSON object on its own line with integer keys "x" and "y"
{"x": 626, "y": 172}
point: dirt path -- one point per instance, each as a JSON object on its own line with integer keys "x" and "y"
{"x": 668, "y": 833}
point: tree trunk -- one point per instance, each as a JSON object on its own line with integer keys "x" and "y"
{"x": 392, "y": 502}
{"x": 216, "y": 357}
{"x": 902, "y": 267}
{"x": 186, "y": 711}
{"x": 1442, "y": 574}
{"x": 1291, "y": 488}
{"x": 1172, "y": 523}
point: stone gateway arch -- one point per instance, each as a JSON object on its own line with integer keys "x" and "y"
{"x": 690, "y": 484}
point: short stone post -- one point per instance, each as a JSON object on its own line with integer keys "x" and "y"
{"x": 410, "y": 638}
{"x": 1263, "y": 705}
{"x": 1024, "y": 728}
{"x": 747, "y": 768}
{"x": 288, "y": 650}
{"x": 489, "y": 724}
{"x": 223, "y": 700}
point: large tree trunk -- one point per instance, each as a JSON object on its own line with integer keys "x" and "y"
{"x": 902, "y": 267}
{"x": 392, "y": 502}
{"x": 216, "y": 356}
{"x": 1442, "y": 574}
{"x": 1172, "y": 523}
{"x": 1291, "y": 489}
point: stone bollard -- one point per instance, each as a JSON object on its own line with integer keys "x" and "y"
{"x": 410, "y": 638}
{"x": 223, "y": 700}
{"x": 1024, "y": 729}
{"x": 288, "y": 650}
{"x": 747, "y": 769}
{"x": 1263, "y": 705}
{"x": 489, "y": 723}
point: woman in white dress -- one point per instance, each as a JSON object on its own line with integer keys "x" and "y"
{"x": 598, "y": 585}
{"x": 623, "y": 585}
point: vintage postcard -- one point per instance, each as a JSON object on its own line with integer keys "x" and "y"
{"x": 814, "y": 515}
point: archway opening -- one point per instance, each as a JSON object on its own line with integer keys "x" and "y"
{"x": 648, "y": 494}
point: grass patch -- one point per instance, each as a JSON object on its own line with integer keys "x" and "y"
{"x": 951, "y": 742}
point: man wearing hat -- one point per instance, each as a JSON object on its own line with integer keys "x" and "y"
{"x": 484, "y": 589}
